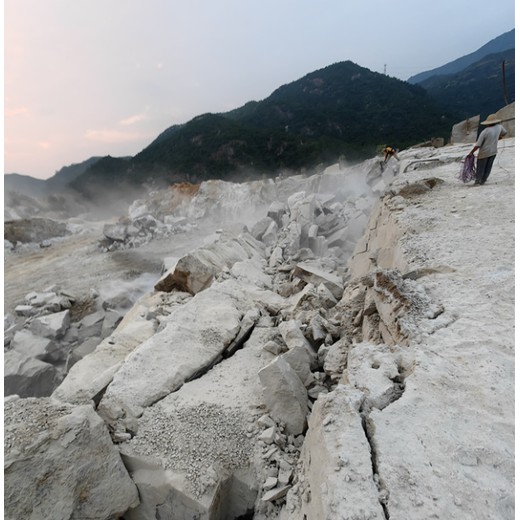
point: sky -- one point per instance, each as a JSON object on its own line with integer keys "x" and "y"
{"x": 106, "y": 77}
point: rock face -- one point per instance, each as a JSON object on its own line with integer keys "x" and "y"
{"x": 319, "y": 365}
{"x": 63, "y": 455}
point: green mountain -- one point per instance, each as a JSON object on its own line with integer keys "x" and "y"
{"x": 478, "y": 89}
{"x": 342, "y": 109}
{"x": 501, "y": 43}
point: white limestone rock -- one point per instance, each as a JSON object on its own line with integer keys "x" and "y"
{"x": 89, "y": 376}
{"x": 59, "y": 462}
{"x": 192, "y": 339}
{"x": 337, "y": 473}
{"x": 195, "y": 452}
{"x": 196, "y": 271}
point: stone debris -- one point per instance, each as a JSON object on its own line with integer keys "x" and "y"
{"x": 258, "y": 365}
{"x": 47, "y": 335}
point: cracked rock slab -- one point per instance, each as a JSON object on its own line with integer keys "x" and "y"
{"x": 60, "y": 463}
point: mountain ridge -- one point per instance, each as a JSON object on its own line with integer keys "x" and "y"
{"x": 301, "y": 125}
{"x": 501, "y": 43}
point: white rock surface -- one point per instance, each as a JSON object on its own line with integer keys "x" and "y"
{"x": 59, "y": 462}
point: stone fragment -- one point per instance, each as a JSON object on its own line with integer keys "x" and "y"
{"x": 273, "y": 347}
{"x": 115, "y": 232}
{"x": 25, "y": 310}
{"x": 260, "y": 227}
{"x": 267, "y": 435}
{"x": 27, "y": 376}
{"x": 195, "y": 271}
{"x": 285, "y": 395}
{"x": 266, "y": 421}
{"x": 276, "y": 211}
{"x": 270, "y": 235}
{"x": 270, "y": 483}
{"x": 336, "y": 358}
{"x": 91, "y": 325}
{"x": 316, "y": 275}
{"x": 275, "y": 494}
{"x": 299, "y": 359}
{"x": 30, "y": 345}
{"x": 51, "y": 326}
{"x": 294, "y": 337}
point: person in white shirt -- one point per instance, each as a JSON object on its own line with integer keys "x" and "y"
{"x": 487, "y": 144}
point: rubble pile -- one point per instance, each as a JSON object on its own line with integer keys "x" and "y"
{"x": 254, "y": 379}
{"x": 49, "y": 332}
{"x": 207, "y": 383}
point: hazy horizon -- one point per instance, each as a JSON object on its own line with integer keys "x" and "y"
{"x": 107, "y": 79}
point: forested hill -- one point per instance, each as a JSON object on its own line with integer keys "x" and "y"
{"x": 499, "y": 44}
{"x": 342, "y": 109}
{"x": 480, "y": 88}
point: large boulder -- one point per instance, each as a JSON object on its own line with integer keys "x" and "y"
{"x": 60, "y": 462}
{"x": 196, "y": 271}
{"x": 193, "y": 338}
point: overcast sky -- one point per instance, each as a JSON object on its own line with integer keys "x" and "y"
{"x": 89, "y": 78}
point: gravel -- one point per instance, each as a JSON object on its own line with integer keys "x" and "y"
{"x": 199, "y": 441}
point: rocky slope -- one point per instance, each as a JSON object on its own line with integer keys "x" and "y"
{"x": 348, "y": 354}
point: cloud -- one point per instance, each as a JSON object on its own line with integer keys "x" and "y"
{"x": 132, "y": 119}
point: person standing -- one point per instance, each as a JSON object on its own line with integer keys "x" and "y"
{"x": 487, "y": 145}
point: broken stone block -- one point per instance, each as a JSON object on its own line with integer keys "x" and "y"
{"x": 27, "y": 376}
{"x": 261, "y": 227}
{"x": 115, "y": 232}
{"x": 276, "y": 211}
{"x": 316, "y": 275}
{"x": 336, "y": 358}
{"x": 271, "y": 234}
{"x": 285, "y": 395}
{"x": 273, "y": 347}
{"x": 91, "y": 325}
{"x": 25, "y": 310}
{"x": 294, "y": 337}
{"x": 336, "y": 457}
{"x": 30, "y": 345}
{"x": 110, "y": 322}
{"x": 300, "y": 360}
{"x": 51, "y": 326}
{"x": 197, "y": 270}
